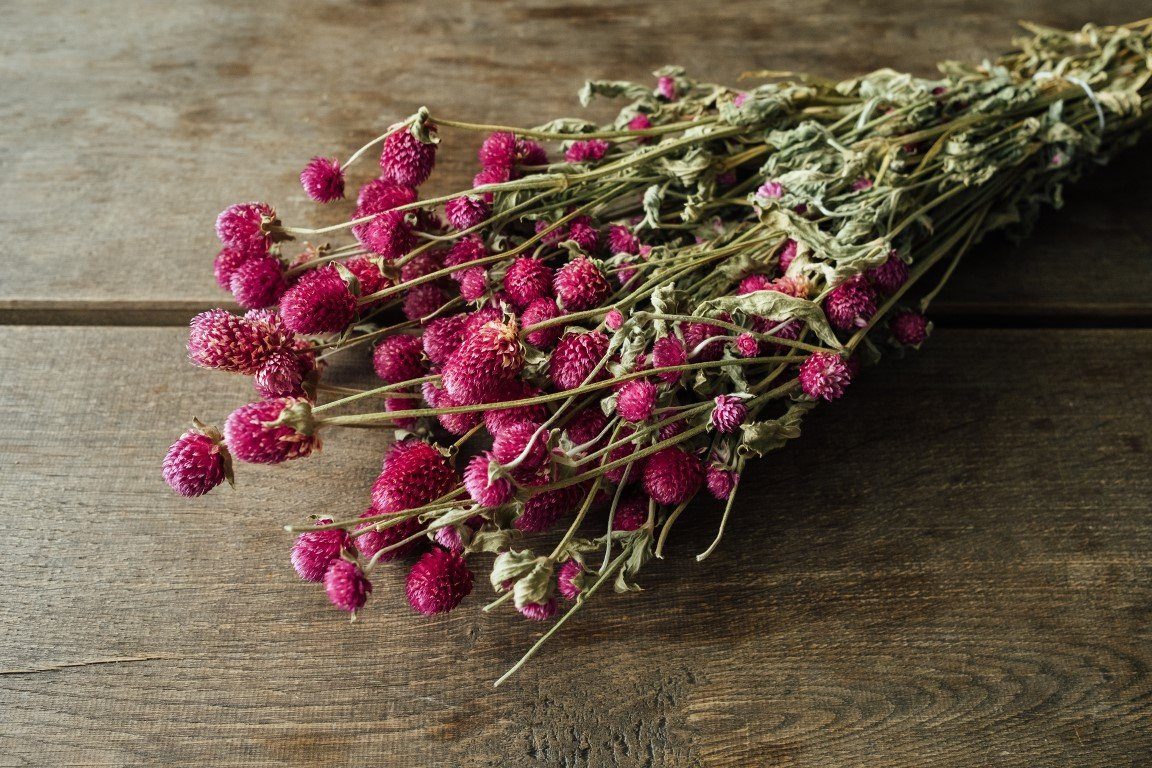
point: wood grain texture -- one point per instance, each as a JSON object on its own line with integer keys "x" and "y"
{"x": 127, "y": 125}
{"x": 952, "y": 567}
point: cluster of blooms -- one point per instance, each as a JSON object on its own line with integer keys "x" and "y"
{"x": 595, "y": 332}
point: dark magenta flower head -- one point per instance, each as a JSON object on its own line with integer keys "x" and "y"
{"x": 280, "y": 375}
{"x": 438, "y": 582}
{"x": 721, "y": 482}
{"x": 889, "y": 277}
{"x": 320, "y": 302}
{"x": 576, "y": 357}
{"x": 539, "y": 611}
{"x": 569, "y": 581}
{"x": 258, "y": 282}
{"x": 636, "y": 400}
{"x": 398, "y": 358}
{"x": 673, "y": 475}
{"x": 851, "y": 304}
{"x": 467, "y": 211}
{"x": 580, "y": 285}
{"x": 909, "y": 328}
{"x": 347, "y": 586}
{"x": 527, "y": 280}
{"x": 405, "y": 159}
{"x": 197, "y": 462}
{"x": 824, "y": 376}
{"x": 240, "y": 227}
{"x": 314, "y": 551}
{"x": 414, "y": 473}
{"x": 485, "y": 492}
{"x": 538, "y": 311}
{"x": 323, "y": 179}
{"x": 271, "y": 431}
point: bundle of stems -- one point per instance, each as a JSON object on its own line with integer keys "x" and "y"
{"x": 615, "y": 318}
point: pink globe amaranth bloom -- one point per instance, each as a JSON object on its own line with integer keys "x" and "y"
{"x": 631, "y": 471}
{"x": 438, "y": 582}
{"x": 824, "y": 376}
{"x": 669, "y": 351}
{"x": 455, "y": 423}
{"x": 196, "y": 463}
{"x": 575, "y": 357}
{"x": 371, "y": 279}
{"x": 280, "y": 375}
{"x": 467, "y": 211}
{"x": 542, "y": 510}
{"x": 851, "y": 304}
{"x": 636, "y": 400}
{"x": 491, "y": 176}
{"x": 721, "y": 482}
{"x": 528, "y": 152}
{"x": 251, "y": 437}
{"x": 498, "y": 150}
{"x": 614, "y": 319}
{"x": 909, "y": 328}
{"x": 394, "y": 404}
{"x": 789, "y": 330}
{"x": 405, "y": 159}
{"x": 672, "y": 429}
{"x": 497, "y": 420}
{"x": 641, "y": 123}
{"x": 540, "y": 611}
{"x": 673, "y": 475}
{"x": 537, "y": 312}
{"x": 590, "y": 150}
{"x": 753, "y": 283}
{"x": 792, "y": 286}
{"x": 258, "y": 282}
{"x": 728, "y": 413}
{"x": 398, "y": 358}
{"x": 584, "y": 233}
{"x": 347, "y": 586}
{"x": 889, "y": 277}
{"x": 695, "y": 336}
{"x": 421, "y": 265}
{"x": 323, "y": 179}
{"x": 568, "y": 578}
{"x": 488, "y": 357}
{"x": 465, "y": 250}
{"x": 527, "y": 280}
{"x": 473, "y": 284}
{"x": 371, "y": 543}
{"x": 580, "y": 285}
{"x": 747, "y": 346}
{"x": 666, "y": 88}
{"x": 314, "y": 551}
{"x": 787, "y": 254}
{"x": 413, "y": 474}
{"x": 240, "y": 227}
{"x": 423, "y": 300}
{"x": 483, "y": 492}
{"x": 389, "y": 234}
{"x": 319, "y": 302}
{"x": 622, "y": 240}
{"x": 381, "y": 195}
{"x": 481, "y": 317}
{"x": 631, "y": 513}
{"x": 442, "y": 337}
{"x": 770, "y": 190}
{"x": 551, "y": 237}
{"x": 226, "y": 263}
{"x": 220, "y": 340}
{"x": 586, "y": 424}
{"x": 510, "y": 443}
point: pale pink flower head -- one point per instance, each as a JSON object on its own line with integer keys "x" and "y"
{"x": 240, "y": 227}
{"x": 673, "y": 475}
{"x": 397, "y": 358}
{"x": 347, "y": 586}
{"x": 728, "y": 413}
{"x": 196, "y": 463}
{"x": 258, "y": 282}
{"x": 580, "y": 285}
{"x": 770, "y": 190}
{"x": 666, "y": 88}
{"x": 575, "y": 357}
{"x": 669, "y": 351}
{"x": 721, "y": 482}
{"x": 406, "y": 159}
{"x": 323, "y": 179}
{"x": 537, "y": 312}
{"x": 636, "y": 400}
{"x": 314, "y": 551}
{"x": 539, "y": 611}
{"x": 568, "y": 579}
{"x": 438, "y": 582}
{"x": 259, "y": 434}
{"x": 851, "y": 304}
{"x": 527, "y": 280}
{"x": 824, "y": 376}
{"x": 482, "y": 491}
{"x": 590, "y": 150}
{"x": 889, "y": 277}
{"x": 413, "y": 474}
{"x": 614, "y": 319}
{"x": 318, "y": 303}
{"x": 467, "y": 211}
{"x": 909, "y": 328}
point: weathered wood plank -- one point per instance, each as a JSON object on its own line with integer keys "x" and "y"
{"x": 128, "y": 125}
{"x": 952, "y": 568}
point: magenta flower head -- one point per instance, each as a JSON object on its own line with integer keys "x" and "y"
{"x": 258, "y": 283}
{"x": 240, "y": 227}
{"x": 226, "y": 263}
{"x": 423, "y": 300}
{"x": 788, "y": 254}
{"x": 319, "y": 302}
{"x": 220, "y": 340}
{"x": 543, "y": 510}
{"x": 631, "y": 513}
{"x": 280, "y": 375}
{"x": 347, "y": 586}
{"x": 851, "y": 304}
{"x": 527, "y": 280}
{"x": 575, "y": 357}
{"x": 636, "y": 400}
{"x": 513, "y": 441}
{"x": 482, "y": 491}
{"x": 584, "y": 233}
{"x": 673, "y": 475}
{"x": 569, "y": 581}
{"x": 909, "y": 328}
{"x": 489, "y": 356}
{"x": 197, "y": 462}
{"x": 371, "y": 543}
{"x": 747, "y": 346}
{"x": 314, "y": 551}
{"x": 666, "y": 88}
{"x": 728, "y": 413}
{"x": 824, "y": 376}
{"x": 406, "y": 159}
{"x": 414, "y": 473}
{"x": 621, "y": 240}
{"x": 721, "y": 482}
{"x": 455, "y": 423}
{"x": 586, "y": 151}
{"x": 473, "y": 283}
{"x": 640, "y": 122}
{"x": 586, "y": 424}
{"x": 323, "y": 179}
{"x": 271, "y": 431}
{"x": 438, "y": 582}
{"x": 465, "y": 250}
{"x": 467, "y": 211}
{"x": 442, "y": 337}
{"x": 614, "y": 319}
{"x": 887, "y": 278}
{"x": 498, "y": 151}
{"x": 539, "y": 611}
{"x": 498, "y": 420}
{"x": 529, "y": 152}
{"x": 669, "y": 351}
{"x": 368, "y": 273}
{"x": 770, "y": 190}
{"x": 580, "y": 285}
{"x": 381, "y": 195}
{"x": 397, "y": 358}
{"x": 537, "y": 312}
{"x": 753, "y": 283}
{"x": 388, "y": 235}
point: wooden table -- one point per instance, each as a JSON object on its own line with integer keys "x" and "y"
{"x": 951, "y": 568}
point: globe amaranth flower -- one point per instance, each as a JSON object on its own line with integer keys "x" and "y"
{"x": 527, "y": 280}
{"x": 539, "y": 311}
{"x": 442, "y": 337}
{"x": 388, "y": 234}
{"x": 539, "y": 611}
{"x": 381, "y": 195}
{"x": 576, "y": 357}
{"x": 258, "y": 282}
{"x": 721, "y": 482}
{"x": 498, "y": 420}
{"x": 584, "y": 233}
{"x": 280, "y": 375}
{"x": 319, "y": 302}
{"x": 489, "y": 356}
{"x": 668, "y": 351}
{"x": 851, "y": 304}
{"x": 196, "y": 463}
{"x": 347, "y": 586}
{"x": 485, "y": 492}
{"x": 788, "y": 254}
{"x": 220, "y": 340}
{"x": 889, "y": 277}
{"x": 240, "y": 227}
{"x": 521, "y": 438}
{"x": 323, "y": 179}
{"x": 423, "y": 300}
{"x": 542, "y": 510}
{"x": 413, "y": 473}
{"x": 631, "y": 513}
{"x": 909, "y": 328}
{"x": 371, "y": 542}
{"x": 636, "y": 400}
{"x": 728, "y": 413}
{"x": 271, "y": 431}
{"x": 438, "y": 582}
{"x": 589, "y": 150}
{"x": 406, "y": 159}
{"x": 580, "y": 285}
{"x": 397, "y": 358}
{"x": 498, "y": 150}
{"x": 673, "y": 475}
{"x": 824, "y": 376}
{"x": 467, "y": 211}
{"x": 226, "y": 263}
{"x": 314, "y": 551}
{"x": 569, "y": 579}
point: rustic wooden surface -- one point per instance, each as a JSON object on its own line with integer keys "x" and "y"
{"x": 953, "y": 567}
